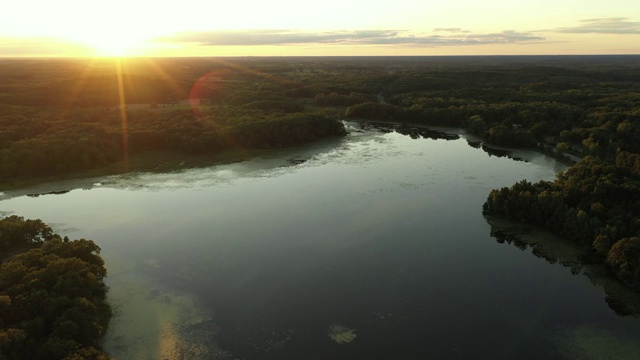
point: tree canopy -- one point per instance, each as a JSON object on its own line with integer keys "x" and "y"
{"x": 52, "y": 296}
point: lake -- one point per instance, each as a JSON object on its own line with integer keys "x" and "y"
{"x": 372, "y": 246}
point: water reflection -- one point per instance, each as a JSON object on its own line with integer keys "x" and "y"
{"x": 158, "y": 323}
{"x": 621, "y": 299}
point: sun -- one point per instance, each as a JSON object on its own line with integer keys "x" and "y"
{"x": 113, "y": 43}
{"x": 116, "y": 48}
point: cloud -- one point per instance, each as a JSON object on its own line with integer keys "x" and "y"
{"x": 614, "y": 25}
{"x": 452, "y": 30}
{"x": 276, "y": 37}
{"x": 457, "y": 36}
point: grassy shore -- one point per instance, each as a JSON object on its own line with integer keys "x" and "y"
{"x": 146, "y": 162}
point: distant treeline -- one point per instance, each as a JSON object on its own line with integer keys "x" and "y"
{"x": 585, "y": 110}
{"x": 78, "y": 125}
{"x": 52, "y": 295}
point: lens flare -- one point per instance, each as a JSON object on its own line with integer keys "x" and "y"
{"x": 123, "y": 116}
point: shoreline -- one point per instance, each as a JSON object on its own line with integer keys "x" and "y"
{"x": 146, "y": 162}
{"x": 151, "y": 162}
{"x": 556, "y": 249}
{"x": 165, "y": 161}
{"x": 565, "y": 158}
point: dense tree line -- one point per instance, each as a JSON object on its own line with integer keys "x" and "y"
{"x": 62, "y": 116}
{"x": 335, "y": 99}
{"x": 86, "y": 139}
{"x": 52, "y": 294}
{"x": 590, "y": 107}
{"x": 595, "y": 203}
{"x": 377, "y": 111}
{"x": 508, "y": 101}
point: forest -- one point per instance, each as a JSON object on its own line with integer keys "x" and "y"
{"x": 65, "y": 117}
{"x": 52, "y": 295}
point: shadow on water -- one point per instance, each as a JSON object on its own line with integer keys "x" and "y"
{"x": 414, "y": 132}
{"x": 492, "y": 151}
{"x": 586, "y": 341}
{"x": 554, "y": 249}
{"x": 59, "y": 192}
{"x": 422, "y": 132}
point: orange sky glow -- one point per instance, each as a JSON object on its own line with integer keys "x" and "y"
{"x": 284, "y": 28}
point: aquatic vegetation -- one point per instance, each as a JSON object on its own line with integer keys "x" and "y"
{"x": 341, "y": 334}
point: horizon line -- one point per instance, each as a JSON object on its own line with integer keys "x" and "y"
{"x": 57, "y": 57}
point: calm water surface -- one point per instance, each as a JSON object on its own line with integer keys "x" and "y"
{"x": 378, "y": 233}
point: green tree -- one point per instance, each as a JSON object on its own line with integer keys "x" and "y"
{"x": 624, "y": 259}
{"x": 52, "y": 296}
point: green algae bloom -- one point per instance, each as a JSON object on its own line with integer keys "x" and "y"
{"x": 341, "y": 334}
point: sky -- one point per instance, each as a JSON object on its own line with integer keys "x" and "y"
{"x": 45, "y": 28}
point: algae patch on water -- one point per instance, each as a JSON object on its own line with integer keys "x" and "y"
{"x": 341, "y": 334}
